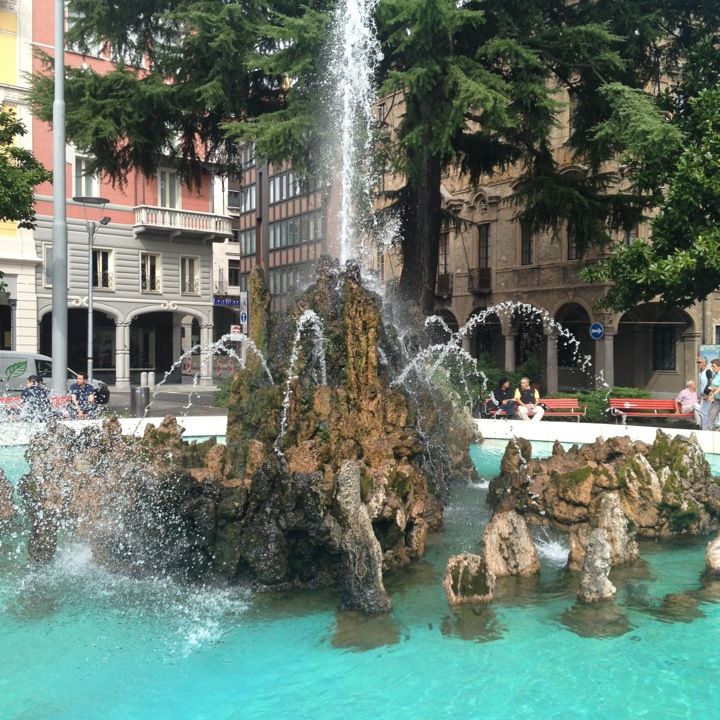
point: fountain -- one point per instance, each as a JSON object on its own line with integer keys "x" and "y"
{"x": 141, "y": 598}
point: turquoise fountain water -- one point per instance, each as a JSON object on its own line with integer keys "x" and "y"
{"x": 78, "y": 642}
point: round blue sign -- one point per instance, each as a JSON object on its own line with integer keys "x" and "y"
{"x": 243, "y": 317}
{"x": 597, "y": 330}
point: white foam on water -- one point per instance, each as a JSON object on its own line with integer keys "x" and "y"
{"x": 554, "y": 551}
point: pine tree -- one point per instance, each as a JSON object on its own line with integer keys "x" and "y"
{"x": 483, "y": 85}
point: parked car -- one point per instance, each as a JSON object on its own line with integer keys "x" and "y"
{"x": 15, "y": 367}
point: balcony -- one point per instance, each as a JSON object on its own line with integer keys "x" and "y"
{"x": 173, "y": 223}
{"x": 444, "y": 286}
{"x": 480, "y": 281}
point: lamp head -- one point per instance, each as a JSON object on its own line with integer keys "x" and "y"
{"x": 105, "y": 220}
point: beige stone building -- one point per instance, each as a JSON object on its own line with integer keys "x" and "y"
{"x": 490, "y": 265}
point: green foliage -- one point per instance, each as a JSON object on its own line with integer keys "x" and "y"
{"x": 222, "y": 395}
{"x": 20, "y": 172}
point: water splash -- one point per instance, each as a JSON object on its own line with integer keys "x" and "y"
{"x": 554, "y": 550}
{"x": 219, "y": 347}
{"x": 309, "y": 319}
{"x": 355, "y": 53}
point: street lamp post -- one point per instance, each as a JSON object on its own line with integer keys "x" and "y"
{"x": 92, "y": 226}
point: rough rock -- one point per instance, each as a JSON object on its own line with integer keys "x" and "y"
{"x": 712, "y": 557}
{"x": 7, "y": 508}
{"x": 594, "y": 583}
{"x": 363, "y": 587}
{"x": 468, "y": 580}
{"x": 508, "y": 548}
{"x": 664, "y": 489}
{"x": 274, "y": 506}
{"x": 608, "y": 515}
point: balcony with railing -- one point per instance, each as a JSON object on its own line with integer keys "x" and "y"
{"x": 480, "y": 281}
{"x": 172, "y": 222}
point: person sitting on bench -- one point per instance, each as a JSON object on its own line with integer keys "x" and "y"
{"x": 503, "y": 398}
{"x": 528, "y": 401}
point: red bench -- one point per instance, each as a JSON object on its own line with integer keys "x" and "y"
{"x": 554, "y": 407}
{"x": 13, "y": 403}
{"x": 645, "y": 408}
{"x": 563, "y": 407}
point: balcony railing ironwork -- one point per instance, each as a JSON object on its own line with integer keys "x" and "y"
{"x": 480, "y": 281}
{"x": 171, "y": 220}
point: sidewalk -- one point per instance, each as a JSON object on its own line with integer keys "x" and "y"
{"x": 170, "y": 400}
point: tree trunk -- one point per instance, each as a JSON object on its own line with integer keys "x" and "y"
{"x": 421, "y": 233}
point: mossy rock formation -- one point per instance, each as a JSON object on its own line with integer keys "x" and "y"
{"x": 325, "y": 477}
{"x": 664, "y": 489}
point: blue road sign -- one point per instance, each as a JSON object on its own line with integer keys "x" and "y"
{"x": 597, "y": 331}
{"x": 243, "y": 317}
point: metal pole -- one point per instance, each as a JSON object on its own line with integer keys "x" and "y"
{"x": 91, "y": 228}
{"x": 59, "y": 224}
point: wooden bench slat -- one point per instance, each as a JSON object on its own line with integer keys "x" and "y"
{"x": 646, "y": 407}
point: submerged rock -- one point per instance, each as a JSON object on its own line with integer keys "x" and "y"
{"x": 468, "y": 580}
{"x": 594, "y": 583}
{"x": 598, "y": 620}
{"x": 508, "y": 548}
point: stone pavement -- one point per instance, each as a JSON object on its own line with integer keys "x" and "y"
{"x": 170, "y": 400}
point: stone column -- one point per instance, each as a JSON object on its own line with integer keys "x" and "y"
{"x": 605, "y": 359}
{"x": 510, "y": 333}
{"x": 122, "y": 355}
{"x": 186, "y": 335}
{"x": 686, "y": 364}
{"x": 467, "y": 344}
{"x": 206, "y": 338}
{"x": 551, "y": 379}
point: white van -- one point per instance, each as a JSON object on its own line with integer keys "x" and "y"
{"x": 16, "y": 367}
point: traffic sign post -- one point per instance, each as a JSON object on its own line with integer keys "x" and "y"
{"x": 597, "y": 331}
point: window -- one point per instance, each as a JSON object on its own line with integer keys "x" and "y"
{"x": 663, "y": 347}
{"x": 233, "y": 273}
{"x": 380, "y": 113}
{"x": 284, "y": 187}
{"x": 573, "y": 251}
{"x": 149, "y": 272}
{"x": 102, "y": 270}
{"x": 169, "y": 191}
{"x": 443, "y": 250}
{"x": 247, "y": 199}
{"x": 246, "y": 239}
{"x": 283, "y": 280}
{"x": 189, "y": 275}
{"x": 233, "y": 202}
{"x": 85, "y": 184}
{"x": 526, "y": 243}
{"x": 47, "y": 265}
{"x": 94, "y": 47}
{"x": 484, "y": 246}
{"x": 247, "y": 155}
{"x": 629, "y": 236}
{"x": 296, "y": 230}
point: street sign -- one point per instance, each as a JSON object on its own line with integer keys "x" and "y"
{"x": 235, "y": 329}
{"x": 243, "y": 317}
{"x": 597, "y": 331}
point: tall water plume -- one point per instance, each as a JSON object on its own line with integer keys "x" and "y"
{"x": 355, "y": 52}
